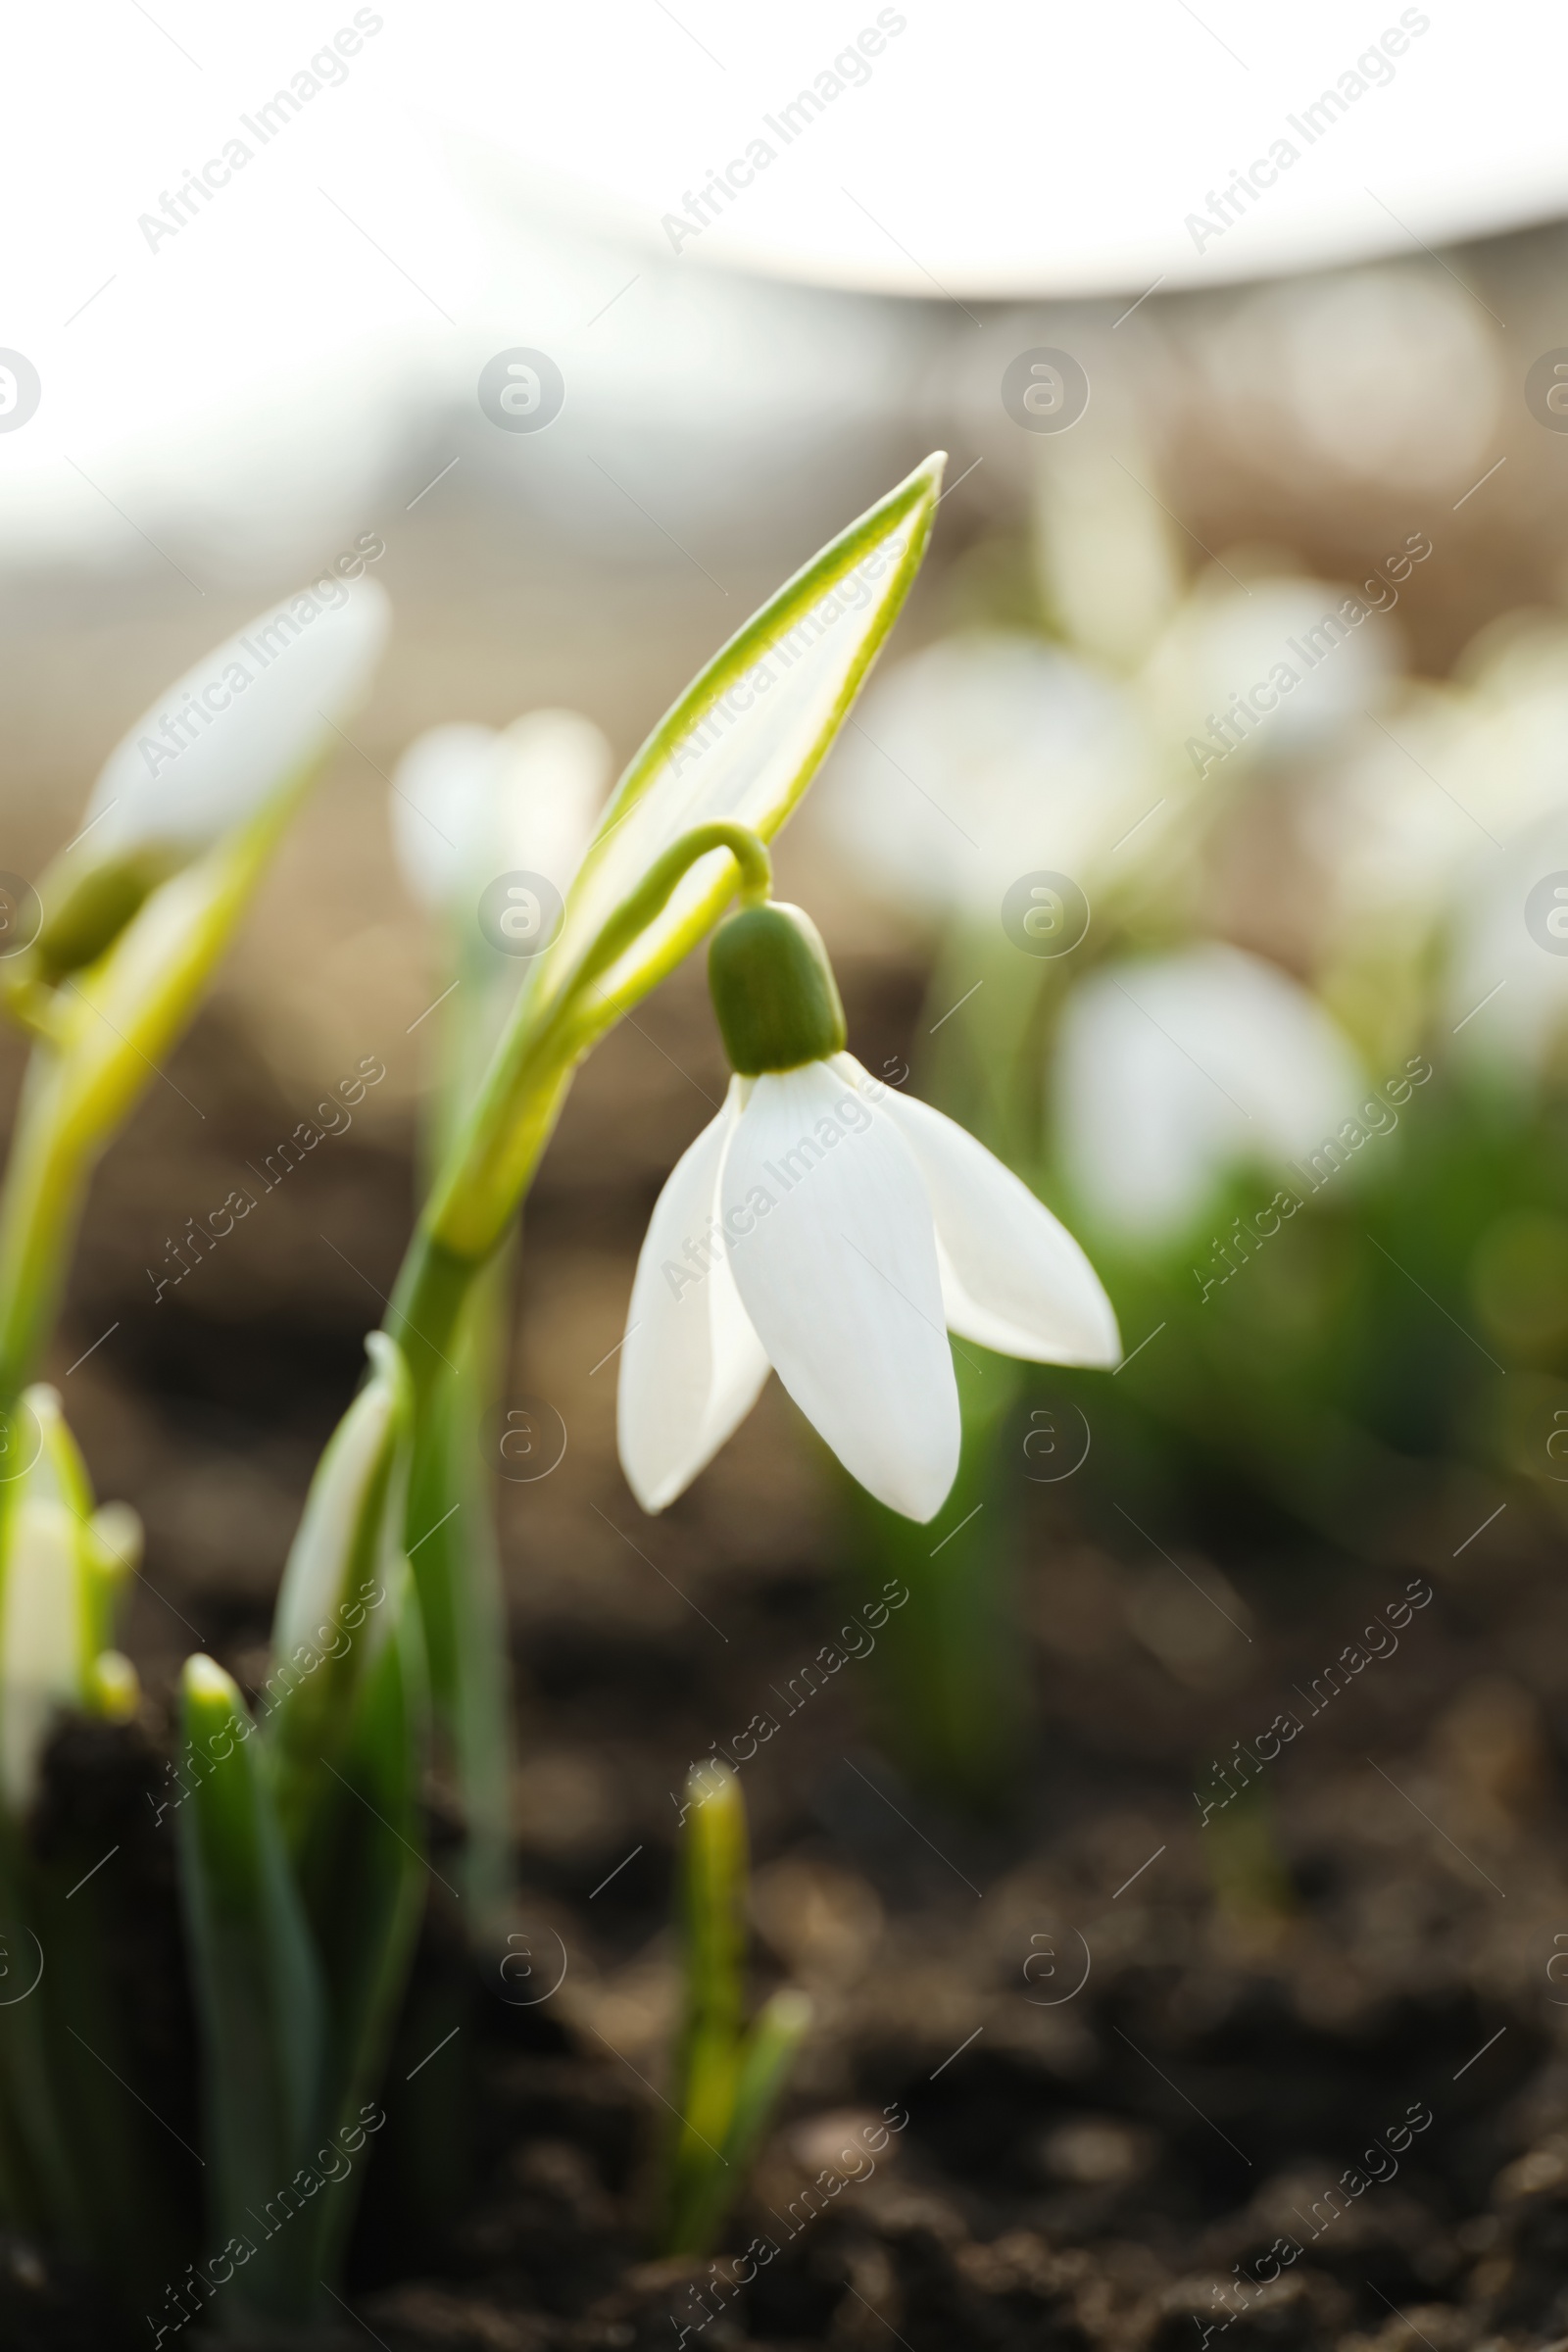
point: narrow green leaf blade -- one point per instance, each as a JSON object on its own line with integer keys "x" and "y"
{"x": 746, "y": 738}
{"x": 334, "y": 1609}
{"x": 733, "y": 749}
{"x": 712, "y": 1924}
{"x": 362, "y": 1875}
{"x": 258, "y": 1994}
{"x": 760, "y": 2080}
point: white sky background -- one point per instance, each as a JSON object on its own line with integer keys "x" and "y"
{"x": 495, "y": 175}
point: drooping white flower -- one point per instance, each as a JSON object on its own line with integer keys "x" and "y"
{"x": 248, "y": 718}
{"x": 835, "y": 1231}
{"x": 1173, "y": 1072}
{"x": 468, "y": 802}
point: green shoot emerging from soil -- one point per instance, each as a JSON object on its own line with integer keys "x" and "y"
{"x": 727, "y": 2078}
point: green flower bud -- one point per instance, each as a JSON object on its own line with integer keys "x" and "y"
{"x": 92, "y": 911}
{"x": 773, "y": 990}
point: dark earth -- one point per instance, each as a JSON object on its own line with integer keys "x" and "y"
{"x": 1348, "y": 1974}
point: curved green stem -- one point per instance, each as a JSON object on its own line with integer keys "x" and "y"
{"x": 489, "y": 1169}
{"x": 486, "y": 1173}
{"x": 102, "y": 1034}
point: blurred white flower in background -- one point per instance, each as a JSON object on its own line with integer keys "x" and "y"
{"x": 1388, "y": 375}
{"x": 1106, "y": 547}
{"x": 470, "y": 802}
{"x": 985, "y": 756}
{"x": 1173, "y": 1073}
{"x": 1227, "y": 639}
{"x": 1439, "y": 820}
{"x": 244, "y": 724}
{"x": 1386, "y": 827}
{"x": 1504, "y": 994}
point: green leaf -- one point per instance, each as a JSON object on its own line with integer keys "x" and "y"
{"x": 726, "y": 2083}
{"x": 54, "y": 1615}
{"x": 211, "y": 823}
{"x": 740, "y": 746}
{"x": 712, "y": 1926}
{"x": 259, "y": 1998}
{"x": 457, "y": 1565}
{"x": 746, "y": 738}
{"x": 362, "y": 1875}
{"x": 334, "y": 1609}
{"x": 763, "y": 2070}
{"x": 249, "y": 720}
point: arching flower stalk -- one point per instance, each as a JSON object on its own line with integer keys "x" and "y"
{"x": 684, "y": 829}
{"x": 469, "y": 807}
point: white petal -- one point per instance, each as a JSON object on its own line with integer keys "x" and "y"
{"x": 691, "y": 1366}
{"x": 552, "y": 774}
{"x": 338, "y": 1526}
{"x": 987, "y": 756}
{"x": 1173, "y": 1072}
{"x": 440, "y": 792}
{"x": 469, "y": 803}
{"x": 1013, "y": 1276}
{"x": 44, "y": 1639}
{"x": 835, "y": 1258}
{"x": 266, "y": 702}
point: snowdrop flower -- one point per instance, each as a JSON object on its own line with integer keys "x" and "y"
{"x": 240, "y": 729}
{"x": 1277, "y": 668}
{"x": 985, "y": 756}
{"x": 469, "y": 803}
{"x": 62, "y": 1567}
{"x": 1173, "y": 1073}
{"x": 1506, "y": 986}
{"x": 1441, "y": 820}
{"x": 836, "y": 1232}
{"x": 246, "y": 719}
